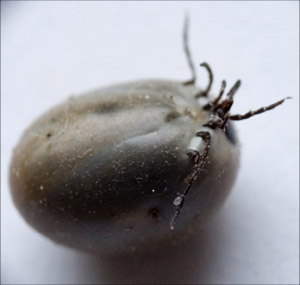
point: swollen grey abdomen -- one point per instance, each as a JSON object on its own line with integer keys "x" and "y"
{"x": 108, "y": 165}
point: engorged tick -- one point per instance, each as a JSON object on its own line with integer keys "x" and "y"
{"x": 118, "y": 167}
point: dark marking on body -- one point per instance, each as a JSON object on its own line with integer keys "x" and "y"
{"x": 154, "y": 213}
{"x": 108, "y": 107}
{"x": 171, "y": 116}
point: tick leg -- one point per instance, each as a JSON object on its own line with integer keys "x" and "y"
{"x": 220, "y": 115}
{"x": 187, "y": 52}
{"x": 222, "y": 109}
{"x": 256, "y": 112}
{"x": 234, "y": 88}
{"x": 214, "y": 123}
{"x": 199, "y": 164}
{"x": 223, "y": 126}
{"x": 223, "y": 86}
{"x": 211, "y": 78}
{"x": 214, "y": 103}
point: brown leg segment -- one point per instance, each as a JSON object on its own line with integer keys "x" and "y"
{"x": 187, "y": 52}
{"x": 223, "y": 86}
{"x": 234, "y": 88}
{"x": 211, "y": 78}
{"x": 256, "y": 112}
{"x": 199, "y": 163}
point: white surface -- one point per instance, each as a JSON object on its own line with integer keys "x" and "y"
{"x": 50, "y": 50}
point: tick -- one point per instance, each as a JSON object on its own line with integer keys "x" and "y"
{"x": 120, "y": 167}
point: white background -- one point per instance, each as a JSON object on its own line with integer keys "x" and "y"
{"x": 51, "y": 50}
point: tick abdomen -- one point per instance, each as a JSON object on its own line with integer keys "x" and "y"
{"x": 108, "y": 165}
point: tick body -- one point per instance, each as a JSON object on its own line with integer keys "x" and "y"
{"x": 128, "y": 166}
{"x": 109, "y": 164}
